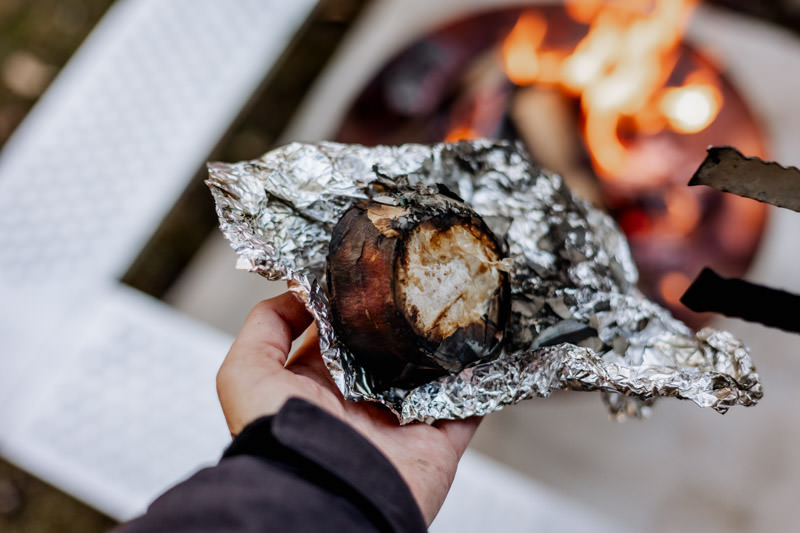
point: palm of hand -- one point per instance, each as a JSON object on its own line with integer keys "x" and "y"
{"x": 258, "y": 376}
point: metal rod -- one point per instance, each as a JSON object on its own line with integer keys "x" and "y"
{"x": 742, "y": 299}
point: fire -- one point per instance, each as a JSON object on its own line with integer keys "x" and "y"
{"x": 461, "y": 133}
{"x": 583, "y": 10}
{"x": 623, "y": 73}
{"x": 673, "y": 285}
{"x": 692, "y": 107}
{"x": 682, "y": 210}
{"x": 619, "y": 71}
{"x": 520, "y": 49}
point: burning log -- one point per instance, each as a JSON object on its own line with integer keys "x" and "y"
{"x": 417, "y": 287}
{"x": 547, "y": 121}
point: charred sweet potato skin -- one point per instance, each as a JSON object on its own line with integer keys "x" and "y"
{"x": 371, "y": 316}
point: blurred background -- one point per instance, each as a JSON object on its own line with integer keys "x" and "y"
{"x": 712, "y": 72}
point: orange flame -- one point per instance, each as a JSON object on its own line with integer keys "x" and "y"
{"x": 693, "y": 106}
{"x": 683, "y": 210}
{"x": 618, "y": 70}
{"x": 672, "y": 286}
{"x": 461, "y": 133}
{"x": 520, "y": 57}
{"x": 583, "y": 10}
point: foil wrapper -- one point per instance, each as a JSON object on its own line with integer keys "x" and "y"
{"x": 572, "y": 277}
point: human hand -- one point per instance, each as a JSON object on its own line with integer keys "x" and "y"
{"x": 258, "y": 376}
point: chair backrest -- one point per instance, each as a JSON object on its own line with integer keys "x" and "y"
{"x": 105, "y": 392}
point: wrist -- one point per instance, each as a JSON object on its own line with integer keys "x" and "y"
{"x": 326, "y": 450}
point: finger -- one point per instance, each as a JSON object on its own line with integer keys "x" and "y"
{"x": 459, "y": 432}
{"x": 307, "y": 361}
{"x": 308, "y": 346}
{"x": 258, "y": 353}
{"x": 268, "y": 331}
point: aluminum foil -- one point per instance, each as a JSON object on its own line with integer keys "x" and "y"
{"x": 572, "y": 273}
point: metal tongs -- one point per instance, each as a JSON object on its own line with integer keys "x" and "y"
{"x": 727, "y": 170}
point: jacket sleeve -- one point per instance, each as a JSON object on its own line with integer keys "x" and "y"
{"x": 299, "y": 470}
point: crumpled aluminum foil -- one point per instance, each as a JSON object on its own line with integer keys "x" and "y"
{"x": 572, "y": 270}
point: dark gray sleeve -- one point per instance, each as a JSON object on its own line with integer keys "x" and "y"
{"x": 299, "y": 470}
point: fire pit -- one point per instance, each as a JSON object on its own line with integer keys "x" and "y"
{"x": 608, "y": 97}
